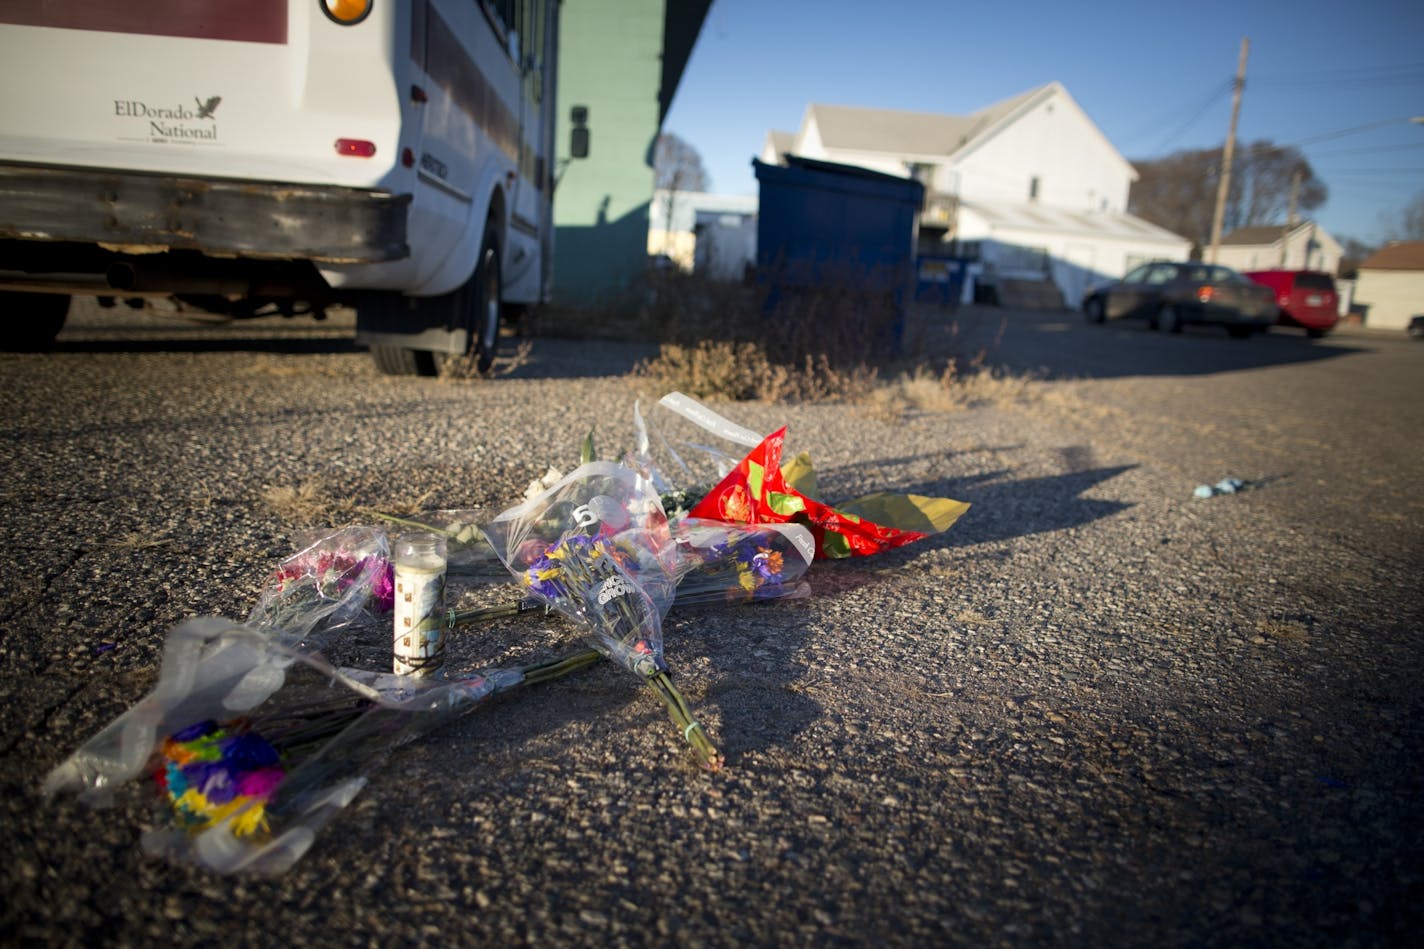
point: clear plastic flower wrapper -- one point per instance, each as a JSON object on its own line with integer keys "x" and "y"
{"x": 596, "y": 547}
{"x": 254, "y": 745}
{"x": 727, "y": 563}
{"x": 699, "y": 450}
{"x": 331, "y": 581}
{"x": 467, "y": 551}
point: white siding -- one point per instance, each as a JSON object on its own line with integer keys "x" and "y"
{"x": 1393, "y": 296}
{"x": 1055, "y": 142}
{"x": 1077, "y": 262}
{"x": 1309, "y": 248}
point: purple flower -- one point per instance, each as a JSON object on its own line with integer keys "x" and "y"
{"x": 383, "y": 586}
{"x": 213, "y": 779}
{"x": 195, "y": 731}
{"x": 248, "y": 751}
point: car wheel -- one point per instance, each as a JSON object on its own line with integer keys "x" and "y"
{"x": 32, "y": 320}
{"x": 484, "y": 304}
{"x": 1169, "y": 319}
{"x": 1093, "y": 309}
{"x": 1316, "y": 333}
{"x": 399, "y": 361}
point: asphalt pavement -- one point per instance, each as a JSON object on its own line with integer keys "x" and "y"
{"x": 1097, "y": 711}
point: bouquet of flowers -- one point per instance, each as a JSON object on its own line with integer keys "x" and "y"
{"x": 727, "y": 563}
{"x": 702, "y": 448}
{"x": 326, "y": 585}
{"x": 596, "y": 547}
{"x": 255, "y": 744}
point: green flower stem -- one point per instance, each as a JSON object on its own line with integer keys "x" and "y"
{"x": 681, "y": 715}
{"x": 562, "y": 666}
{"x": 457, "y": 618}
{"x": 407, "y": 522}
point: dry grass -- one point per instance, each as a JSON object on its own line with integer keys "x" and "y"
{"x": 736, "y": 342}
{"x": 1283, "y": 630}
{"x": 507, "y": 361}
{"x": 136, "y": 540}
{"x": 408, "y": 505}
{"x": 743, "y": 371}
{"x": 306, "y": 503}
{"x": 951, "y": 389}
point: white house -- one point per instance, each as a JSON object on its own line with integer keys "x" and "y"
{"x": 1301, "y": 246}
{"x": 1390, "y": 285}
{"x": 711, "y": 234}
{"x": 1029, "y": 185}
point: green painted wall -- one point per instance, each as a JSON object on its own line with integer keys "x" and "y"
{"x": 610, "y": 60}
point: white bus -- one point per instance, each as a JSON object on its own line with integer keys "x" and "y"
{"x": 258, "y": 156}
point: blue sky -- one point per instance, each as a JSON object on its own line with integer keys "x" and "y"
{"x": 1339, "y": 79}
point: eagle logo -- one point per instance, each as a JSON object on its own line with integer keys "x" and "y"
{"x": 206, "y": 109}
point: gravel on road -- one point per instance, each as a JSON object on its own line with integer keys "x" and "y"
{"x": 1095, "y": 711}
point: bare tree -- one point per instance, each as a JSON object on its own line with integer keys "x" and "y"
{"x": 1409, "y": 222}
{"x": 677, "y": 168}
{"x": 1353, "y": 251}
{"x": 1178, "y": 192}
{"x": 1267, "y": 176}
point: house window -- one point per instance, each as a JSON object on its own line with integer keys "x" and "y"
{"x": 1033, "y": 188}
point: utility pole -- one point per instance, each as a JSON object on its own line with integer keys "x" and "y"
{"x": 1290, "y": 219}
{"x": 1224, "y": 186}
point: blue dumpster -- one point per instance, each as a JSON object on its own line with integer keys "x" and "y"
{"x": 838, "y": 229}
{"x": 939, "y": 279}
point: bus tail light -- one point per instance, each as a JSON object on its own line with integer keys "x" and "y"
{"x": 346, "y": 12}
{"x": 355, "y": 147}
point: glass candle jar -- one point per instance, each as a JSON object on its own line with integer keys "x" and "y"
{"x": 419, "y": 644}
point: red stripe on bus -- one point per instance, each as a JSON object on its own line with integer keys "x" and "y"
{"x": 249, "y": 21}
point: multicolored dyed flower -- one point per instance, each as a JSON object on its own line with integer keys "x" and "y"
{"x": 212, "y": 772}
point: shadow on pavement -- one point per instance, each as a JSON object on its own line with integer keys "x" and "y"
{"x": 295, "y": 345}
{"x": 536, "y": 358}
{"x": 1062, "y": 344}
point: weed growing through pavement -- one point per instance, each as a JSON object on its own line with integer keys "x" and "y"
{"x": 506, "y": 362}
{"x": 137, "y": 540}
{"x": 305, "y": 503}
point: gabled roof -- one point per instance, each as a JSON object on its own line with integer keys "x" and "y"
{"x": 1400, "y": 255}
{"x": 779, "y": 143}
{"x": 912, "y": 133}
{"x": 888, "y": 130}
{"x": 1267, "y": 234}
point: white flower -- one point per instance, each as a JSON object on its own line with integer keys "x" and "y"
{"x": 539, "y": 485}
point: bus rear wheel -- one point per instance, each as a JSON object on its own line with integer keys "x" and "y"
{"x": 32, "y": 320}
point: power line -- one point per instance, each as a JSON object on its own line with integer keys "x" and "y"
{"x": 1368, "y": 151}
{"x": 1340, "y": 133}
{"x": 1221, "y": 92}
{"x": 1358, "y": 75}
{"x": 1418, "y": 170}
{"x": 1217, "y": 92}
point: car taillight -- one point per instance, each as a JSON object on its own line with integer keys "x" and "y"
{"x": 1206, "y": 294}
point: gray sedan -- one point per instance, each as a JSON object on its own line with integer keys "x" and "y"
{"x": 1171, "y": 295}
